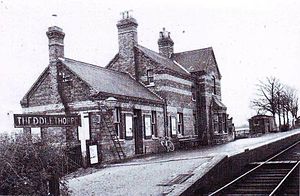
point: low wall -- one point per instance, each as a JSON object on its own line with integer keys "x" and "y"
{"x": 231, "y": 167}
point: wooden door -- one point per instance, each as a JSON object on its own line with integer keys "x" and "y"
{"x": 138, "y": 131}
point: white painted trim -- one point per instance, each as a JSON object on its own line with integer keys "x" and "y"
{"x": 80, "y": 104}
{"x": 172, "y": 109}
{"x": 172, "y": 78}
{"x": 176, "y": 63}
{"x": 43, "y": 108}
{"x": 172, "y": 89}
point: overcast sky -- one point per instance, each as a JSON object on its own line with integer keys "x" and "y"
{"x": 252, "y": 39}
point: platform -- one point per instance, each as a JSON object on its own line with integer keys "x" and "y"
{"x": 171, "y": 173}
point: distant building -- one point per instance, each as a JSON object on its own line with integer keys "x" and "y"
{"x": 157, "y": 94}
{"x": 261, "y": 124}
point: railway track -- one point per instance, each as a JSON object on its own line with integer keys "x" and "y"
{"x": 279, "y": 175}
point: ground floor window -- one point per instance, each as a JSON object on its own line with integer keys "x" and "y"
{"x": 219, "y": 123}
{"x": 128, "y": 126}
{"x": 180, "y": 127}
{"x": 173, "y": 126}
{"x": 216, "y": 123}
{"x": 117, "y": 122}
{"x": 195, "y": 124}
{"x": 153, "y": 123}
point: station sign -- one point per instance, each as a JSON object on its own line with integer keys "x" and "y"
{"x": 32, "y": 120}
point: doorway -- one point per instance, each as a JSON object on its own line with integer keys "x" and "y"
{"x": 138, "y": 132}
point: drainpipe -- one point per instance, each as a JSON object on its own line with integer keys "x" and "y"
{"x": 165, "y": 118}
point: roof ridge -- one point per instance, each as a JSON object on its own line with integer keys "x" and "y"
{"x": 163, "y": 58}
{"x": 207, "y": 48}
{"x": 96, "y": 66}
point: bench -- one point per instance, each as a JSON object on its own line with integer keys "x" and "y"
{"x": 185, "y": 143}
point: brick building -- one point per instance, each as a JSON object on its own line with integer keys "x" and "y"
{"x": 261, "y": 124}
{"x": 156, "y": 94}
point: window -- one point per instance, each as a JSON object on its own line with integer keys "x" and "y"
{"x": 195, "y": 123}
{"x": 214, "y": 85}
{"x": 173, "y": 126}
{"x": 147, "y": 127}
{"x": 220, "y": 123}
{"x": 150, "y": 78}
{"x": 215, "y": 123}
{"x": 117, "y": 121}
{"x": 64, "y": 77}
{"x": 180, "y": 123}
{"x": 153, "y": 123}
{"x": 128, "y": 126}
{"x": 193, "y": 89}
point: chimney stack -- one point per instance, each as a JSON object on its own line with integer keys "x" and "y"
{"x": 127, "y": 35}
{"x": 165, "y": 44}
{"x": 56, "y": 43}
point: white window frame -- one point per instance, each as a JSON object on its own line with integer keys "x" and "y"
{"x": 180, "y": 123}
{"x": 153, "y": 124}
{"x": 117, "y": 121}
{"x": 150, "y": 77}
{"x": 128, "y": 126}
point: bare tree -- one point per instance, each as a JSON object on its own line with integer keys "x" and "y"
{"x": 268, "y": 94}
{"x": 275, "y": 98}
{"x": 289, "y": 102}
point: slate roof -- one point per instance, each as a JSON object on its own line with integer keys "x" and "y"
{"x": 196, "y": 60}
{"x": 166, "y": 62}
{"x": 109, "y": 81}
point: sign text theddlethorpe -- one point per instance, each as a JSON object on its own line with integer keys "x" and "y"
{"x": 30, "y": 120}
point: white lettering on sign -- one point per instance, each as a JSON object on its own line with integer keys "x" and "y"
{"x": 25, "y": 120}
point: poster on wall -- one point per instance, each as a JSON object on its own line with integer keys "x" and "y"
{"x": 93, "y": 154}
{"x": 128, "y": 125}
{"x": 148, "y": 132}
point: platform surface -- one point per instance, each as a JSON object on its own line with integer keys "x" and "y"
{"x": 162, "y": 174}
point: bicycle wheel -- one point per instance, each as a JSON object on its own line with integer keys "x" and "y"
{"x": 170, "y": 146}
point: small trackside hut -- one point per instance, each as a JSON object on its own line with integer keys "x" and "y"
{"x": 261, "y": 124}
{"x": 139, "y": 96}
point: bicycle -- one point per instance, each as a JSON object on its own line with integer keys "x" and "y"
{"x": 167, "y": 143}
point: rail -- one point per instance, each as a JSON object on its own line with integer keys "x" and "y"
{"x": 255, "y": 168}
{"x": 284, "y": 179}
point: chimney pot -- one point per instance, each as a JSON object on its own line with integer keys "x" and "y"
{"x": 165, "y": 43}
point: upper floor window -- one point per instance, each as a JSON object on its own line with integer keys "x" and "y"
{"x": 214, "y": 85}
{"x": 193, "y": 89}
{"x": 63, "y": 77}
{"x": 150, "y": 78}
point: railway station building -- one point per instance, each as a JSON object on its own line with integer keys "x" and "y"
{"x": 151, "y": 94}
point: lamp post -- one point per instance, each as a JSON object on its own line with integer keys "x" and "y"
{"x": 111, "y": 102}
